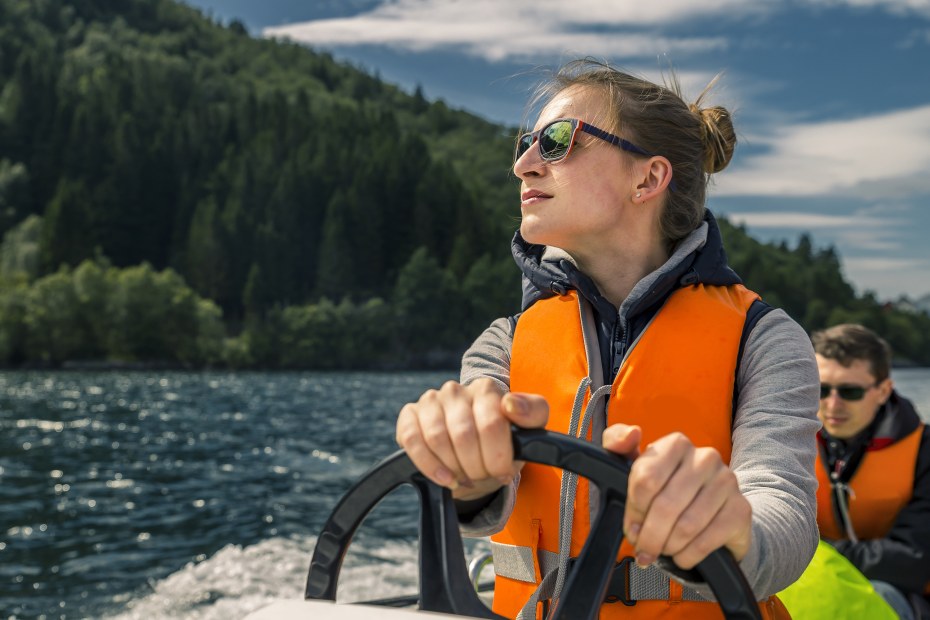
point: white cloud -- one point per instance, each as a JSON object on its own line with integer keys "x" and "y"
{"x": 797, "y": 219}
{"x": 886, "y": 264}
{"x": 889, "y": 277}
{"x": 866, "y": 230}
{"x": 518, "y": 29}
{"x": 877, "y": 156}
{"x": 496, "y": 30}
{"x": 868, "y": 242}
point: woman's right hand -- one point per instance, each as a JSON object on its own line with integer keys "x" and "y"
{"x": 459, "y": 436}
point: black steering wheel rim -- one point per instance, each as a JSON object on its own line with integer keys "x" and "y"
{"x": 441, "y": 563}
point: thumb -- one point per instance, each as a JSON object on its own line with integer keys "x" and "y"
{"x": 525, "y": 410}
{"x": 623, "y": 439}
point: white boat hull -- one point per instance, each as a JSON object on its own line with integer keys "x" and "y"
{"x": 327, "y": 610}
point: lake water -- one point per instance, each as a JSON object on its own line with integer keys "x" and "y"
{"x": 199, "y": 495}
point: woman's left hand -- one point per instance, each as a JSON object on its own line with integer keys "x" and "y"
{"x": 682, "y": 501}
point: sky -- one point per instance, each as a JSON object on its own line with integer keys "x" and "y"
{"x": 831, "y": 98}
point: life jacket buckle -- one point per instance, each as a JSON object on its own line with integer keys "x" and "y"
{"x": 618, "y": 588}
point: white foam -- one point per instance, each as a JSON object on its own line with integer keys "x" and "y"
{"x": 237, "y": 581}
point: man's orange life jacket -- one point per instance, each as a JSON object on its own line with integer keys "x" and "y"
{"x": 678, "y": 376}
{"x": 880, "y": 488}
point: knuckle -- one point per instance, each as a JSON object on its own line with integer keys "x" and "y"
{"x": 451, "y": 388}
{"x": 434, "y": 434}
{"x": 492, "y": 424}
{"x": 707, "y": 459}
{"x": 643, "y": 478}
{"x": 407, "y": 438}
{"x": 662, "y": 506}
{"x": 484, "y": 384}
{"x": 462, "y": 430}
{"x": 687, "y": 526}
{"x": 429, "y": 396}
{"x": 679, "y": 441}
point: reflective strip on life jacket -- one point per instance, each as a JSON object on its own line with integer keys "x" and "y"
{"x": 645, "y": 584}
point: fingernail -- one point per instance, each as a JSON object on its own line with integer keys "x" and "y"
{"x": 467, "y": 483}
{"x": 444, "y": 477}
{"x": 644, "y": 559}
{"x": 515, "y": 404}
{"x": 633, "y": 533}
{"x": 504, "y": 480}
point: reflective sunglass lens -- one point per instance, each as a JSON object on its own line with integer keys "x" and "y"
{"x": 555, "y": 140}
{"x": 846, "y": 392}
{"x": 850, "y": 392}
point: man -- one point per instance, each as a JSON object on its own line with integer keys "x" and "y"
{"x": 873, "y": 465}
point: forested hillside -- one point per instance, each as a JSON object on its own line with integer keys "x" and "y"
{"x": 174, "y": 190}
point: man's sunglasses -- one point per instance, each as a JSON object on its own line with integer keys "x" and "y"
{"x": 846, "y": 392}
{"x": 558, "y": 137}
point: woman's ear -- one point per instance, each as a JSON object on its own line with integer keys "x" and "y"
{"x": 655, "y": 176}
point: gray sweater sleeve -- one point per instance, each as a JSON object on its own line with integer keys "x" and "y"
{"x": 489, "y": 355}
{"x": 773, "y": 444}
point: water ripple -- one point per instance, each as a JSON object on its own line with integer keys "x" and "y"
{"x": 112, "y": 482}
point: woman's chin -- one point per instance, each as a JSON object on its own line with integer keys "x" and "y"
{"x": 532, "y": 232}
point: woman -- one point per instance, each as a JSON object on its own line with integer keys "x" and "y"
{"x": 637, "y": 335}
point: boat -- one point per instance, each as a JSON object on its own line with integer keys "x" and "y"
{"x": 445, "y": 583}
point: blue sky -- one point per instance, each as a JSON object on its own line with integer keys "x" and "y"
{"x": 831, "y": 97}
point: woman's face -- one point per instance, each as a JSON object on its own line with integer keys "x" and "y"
{"x": 581, "y": 201}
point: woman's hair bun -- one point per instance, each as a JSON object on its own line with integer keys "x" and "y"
{"x": 717, "y": 134}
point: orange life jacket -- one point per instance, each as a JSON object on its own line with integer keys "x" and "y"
{"x": 679, "y": 376}
{"x": 880, "y": 488}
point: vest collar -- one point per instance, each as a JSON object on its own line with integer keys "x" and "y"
{"x": 698, "y": 258}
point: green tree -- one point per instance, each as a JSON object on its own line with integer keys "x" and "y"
{"x": 427, "y": 306}
{"x": 15, "y": 193}
{"x": 54, "y": 330}
{"x": 13, "y": 308}
{"x": 64, "y": 238}
{"x": 19, "y": 251}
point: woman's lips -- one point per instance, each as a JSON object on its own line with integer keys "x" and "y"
{"x": 533, "y": 196}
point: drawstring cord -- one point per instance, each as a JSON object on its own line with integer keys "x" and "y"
{"x": 578, "y": 427}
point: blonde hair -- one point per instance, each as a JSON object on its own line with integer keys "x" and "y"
{"x": 697, "y": 141}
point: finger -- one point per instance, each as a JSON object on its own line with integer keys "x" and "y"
{"x": 623, "y": 439}
{"x": 700, "y": 513}
{"x": 436, "y": 411}
{"x": 525, "y": 410}
{"x": 649, "y": 474}
{"x": 494, "y": 436}
{"x": 731, "y": 527}
{"x": 410, "y": 438}
{"x": 463, "y": 433}
{"x": 674, "y": 506}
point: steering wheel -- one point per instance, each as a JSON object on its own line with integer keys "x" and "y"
{"x": 443, "y": 575}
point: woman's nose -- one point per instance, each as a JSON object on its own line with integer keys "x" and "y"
{"x": 530, "y": 163}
